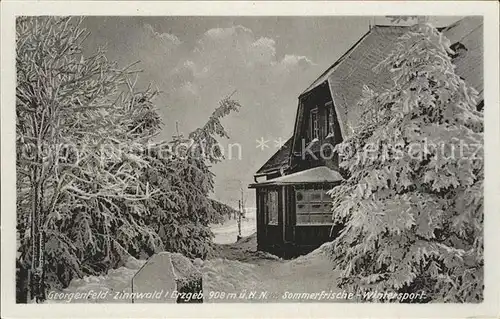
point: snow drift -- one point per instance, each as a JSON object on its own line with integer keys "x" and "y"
{"x": 309, "y": 273}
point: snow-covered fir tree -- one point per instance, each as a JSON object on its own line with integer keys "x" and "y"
{"x": 413, "y": 203}
{"x": 181, "y": 170}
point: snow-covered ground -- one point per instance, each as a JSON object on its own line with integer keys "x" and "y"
{"x": 236, "y": 272}
{"x": 107, "y": 287}
{"x": 273, "y": 280}
{"x": 226, "y": 280}
{"x": 228, "y": 232}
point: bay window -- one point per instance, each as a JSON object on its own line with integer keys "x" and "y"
{"x": 313, "y": 207}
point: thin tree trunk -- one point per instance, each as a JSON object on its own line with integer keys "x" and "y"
{"x": 22, "y": 283}
{"x": 37, "y": 282}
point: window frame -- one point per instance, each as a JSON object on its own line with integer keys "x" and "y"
{"x": 329, "y": 119}
{"x": 314, "y": 129}
{"x": 324, "y": 201}
{"x": 275, "y": 204}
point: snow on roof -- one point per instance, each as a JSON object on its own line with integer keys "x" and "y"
{"x": 469, "y": 32}
{"x": 278, "y": 160}
{"x": 347, "y": 76}
{"x": 354, "y": 69}
{"x": 367, "y": 52}
{"x": 321, "y": 174}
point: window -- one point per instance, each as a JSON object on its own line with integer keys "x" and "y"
{"x": 272, "y": 208}
{"x": 314, "y": 125}
{"x": 329, "y": 119}
{"x": 459, "y": 50}
{"x": 313, "y": 207}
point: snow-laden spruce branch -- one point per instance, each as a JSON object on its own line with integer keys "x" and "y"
{"x": 414, "y": 223}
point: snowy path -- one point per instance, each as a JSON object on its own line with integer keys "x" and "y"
{"x": 235, "y": 269}
{"x": 227, "y": 232}
{"x": 311, "y": 273}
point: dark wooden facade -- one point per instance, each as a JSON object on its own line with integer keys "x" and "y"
{"x": 327, "y": 112}
{"x": 319, "y": 101}
{"x": 286, "y": 238}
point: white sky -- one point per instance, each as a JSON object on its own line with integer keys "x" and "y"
{"x": 196, "y": 61}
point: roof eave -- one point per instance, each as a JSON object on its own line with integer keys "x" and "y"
{"x": 263, "y": 184}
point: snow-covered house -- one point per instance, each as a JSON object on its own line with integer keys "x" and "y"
{"x": 293, "y": 209}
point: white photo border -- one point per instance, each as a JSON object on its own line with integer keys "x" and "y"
{"x": 489, "y": 308}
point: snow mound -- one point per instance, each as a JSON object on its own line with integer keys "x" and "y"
{"x": 133, "y": 263}
{"x": 229, "y": 275}
{"x": 257, "y": 271}
{"x": 319, "y": 253}
{"x": 184, "y": 267}
{"x": 309, "y": 273}
{"x": 116, "y": 280}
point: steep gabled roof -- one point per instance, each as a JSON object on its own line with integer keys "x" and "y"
{"x": 324, "y": 76}
{"x": 278, "y": 160}
{"x": 347, "y": 79}
{"x": 370, "y": 50}
{"x": 469, "y": 32}
{"x": 354, "y": 69}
